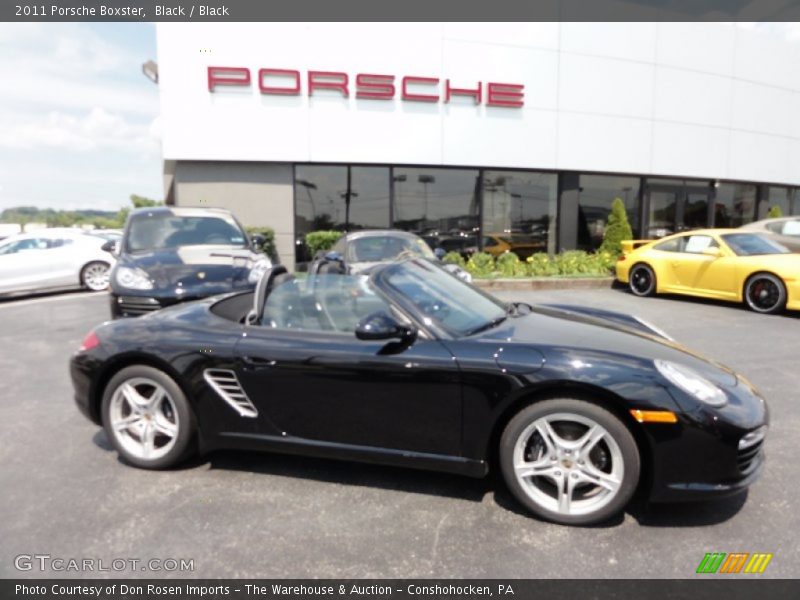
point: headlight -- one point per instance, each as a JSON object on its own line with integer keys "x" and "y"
{"x": 657, "y": 330}
{"x": 258, "y": 270}
{"x": 133, "y": 279}
{"x": 691, "y": 382}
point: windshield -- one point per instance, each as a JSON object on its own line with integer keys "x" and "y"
{"x": 160, "y": 231}
{"x": 386, "y": 248}
{"x": 749, "y": 244}
{"x": 443, "y": 299}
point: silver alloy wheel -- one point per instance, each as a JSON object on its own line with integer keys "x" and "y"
{"x": 143, "y": 418}
{"x": 568, "y": 464}
{"x": 96, "y": 276}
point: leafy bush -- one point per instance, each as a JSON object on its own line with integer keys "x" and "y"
{"x": 481, "y": 264}
{"x": 268, "y": 246}
{"x": 454, "y": 258}
{"x": 775, "y": 212}
{"x": 541, "y": 265}
{"x": 507, "y": 264}
{"x": 617, "y": 229}
{"x": 321, "y": 240}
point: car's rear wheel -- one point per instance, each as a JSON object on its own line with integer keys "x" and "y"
{"x": 642, "y": 280}
{"x": 765, "y": 293}
{"x": 147, "y": 418}
{"x": 95, "y": 276}
{"x": 569, "y": 461}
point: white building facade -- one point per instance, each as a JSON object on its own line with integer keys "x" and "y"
{"x": 476, "y": 134}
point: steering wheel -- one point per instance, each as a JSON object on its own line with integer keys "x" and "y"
{"x": 332, "y": 299}
{"x": 406, "y": 254}
{"x": 433, "y": 308}
{"x": 217, "y": 238}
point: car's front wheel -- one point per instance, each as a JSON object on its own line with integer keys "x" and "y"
{"x": 147, "y": 418}
{"x": 95, "y": 276}
{"x": 765, "y": 293}
{"x": 569, "y": 461}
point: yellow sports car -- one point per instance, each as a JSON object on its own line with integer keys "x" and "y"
{"x": 726, "y": 264}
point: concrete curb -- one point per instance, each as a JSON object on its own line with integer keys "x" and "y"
{"x": 544, "y": 283}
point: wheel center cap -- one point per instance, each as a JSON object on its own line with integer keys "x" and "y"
{"x": 567, "y": 463}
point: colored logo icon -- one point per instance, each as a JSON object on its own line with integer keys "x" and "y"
{"x": 735, "y": 562}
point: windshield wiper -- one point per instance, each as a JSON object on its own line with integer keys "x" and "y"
{"x": 488, "y": 325}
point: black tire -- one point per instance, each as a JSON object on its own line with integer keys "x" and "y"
{"x": 183, "y": 445}
{"x": 626, "y": 449}
{"x": 90, "y": 273}
{"x": 765, "y": 293}
{"x": 642, "y": 280}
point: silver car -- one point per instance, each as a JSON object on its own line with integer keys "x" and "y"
{"x": 785, "y": 230}
{"x": 53, "y": 258}
{"x": 364, "y": 249}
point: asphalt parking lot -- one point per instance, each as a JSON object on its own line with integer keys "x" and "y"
{"x": 64, "y": 493}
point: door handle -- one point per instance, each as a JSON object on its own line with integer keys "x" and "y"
{"x": 257, "y": 361}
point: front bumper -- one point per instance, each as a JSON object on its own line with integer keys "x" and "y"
{"x": 702, "y": 456}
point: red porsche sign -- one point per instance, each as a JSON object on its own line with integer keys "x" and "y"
{"x": 409, "y": 88}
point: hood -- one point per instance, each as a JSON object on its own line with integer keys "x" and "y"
{"x": 199, "y": 270}
{"x": 551, "y": 329}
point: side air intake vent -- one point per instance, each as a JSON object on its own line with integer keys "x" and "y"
{"x": 226, "y": 384}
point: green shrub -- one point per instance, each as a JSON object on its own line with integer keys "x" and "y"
{"x": 617, "y": 229}
{"x": 775, "y": 212}
{"x": 541, "y": 265}
{"x": 268, "y": 247}
{"x": 481, "y": 264}
{"x": 454, "y": 258}
{"x": 507, "y": 263}
{"x": 321, "y": 240}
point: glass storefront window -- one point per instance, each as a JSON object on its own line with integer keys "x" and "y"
{"x": 734, "y": 204}
{"x": 519, "y": 212}
{"x": 441, "y": 205}
{"x": 330, "y": 198}
{"x": 775, "y": 196}
{"x": 319, "y": 194}
{"x": 597, "y": 192}
{"x": 369, "y": 198}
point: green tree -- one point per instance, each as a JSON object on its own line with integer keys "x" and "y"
{"x": 774, "y": 212}
{"x": 321, "y": 240}
{"x": 617, "y": 229}
{"x": 142, "y": 202}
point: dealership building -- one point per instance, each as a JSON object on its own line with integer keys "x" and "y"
{"x": 470, "y": 134}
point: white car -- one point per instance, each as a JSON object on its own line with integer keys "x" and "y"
{"x": 53, "y": 258}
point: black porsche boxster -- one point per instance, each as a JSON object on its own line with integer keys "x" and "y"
{"x": 407, "y": 365}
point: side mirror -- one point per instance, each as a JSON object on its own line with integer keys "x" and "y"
{"x": 712, "y": 251}
{"x": 110, "y": 246}
{"x": 257, "y": 240}
{"x": 382, "y": 326}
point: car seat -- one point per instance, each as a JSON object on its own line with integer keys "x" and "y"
{"x": 271, "y": 278}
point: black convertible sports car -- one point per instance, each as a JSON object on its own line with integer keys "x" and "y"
{"x": 407, "y": 365}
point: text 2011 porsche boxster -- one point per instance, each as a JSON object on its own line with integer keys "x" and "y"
{"x": 724, "y": 264}
{"x": 407, "y": 365}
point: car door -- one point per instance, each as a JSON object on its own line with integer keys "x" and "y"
{"x": 312, "y": 378}
{"x": 22, "y": 264}
{"x": 701, "y": 272}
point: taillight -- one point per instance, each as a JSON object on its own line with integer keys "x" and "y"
{"x": 89, "y": 342}
{"x": 620, "y": 258}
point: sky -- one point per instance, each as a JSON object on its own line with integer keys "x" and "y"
{"x": 78, "y": 119}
